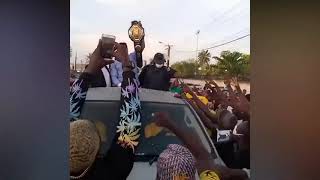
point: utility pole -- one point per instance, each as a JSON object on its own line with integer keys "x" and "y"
{"x": 169, "y": 50}
{"x": 197, "y": 34}
{"x": 81, "y": 65}
{"x": 75, "y": 61}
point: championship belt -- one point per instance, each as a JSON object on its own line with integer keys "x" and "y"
{"x": 136, "y": 34}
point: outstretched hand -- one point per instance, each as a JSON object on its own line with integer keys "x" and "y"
{"x": 240, "y": 102}
{"x": 97, "y": 61}
{"x": 120, "y": 52}
{"x": 162, "y": 119}
{"x": 220, "y": 97}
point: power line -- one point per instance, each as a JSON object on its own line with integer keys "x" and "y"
{"x": 222, "y": 44}
{"x": 219, "y": 17}
{"x": 227, "y": 42}
{"x": 234, "y": 35}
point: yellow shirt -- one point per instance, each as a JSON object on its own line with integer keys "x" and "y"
{"x": 209, "y": 175}
{"x": 202, "y": 98}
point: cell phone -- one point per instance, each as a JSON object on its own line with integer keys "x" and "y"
{"x": 108, "y": 42}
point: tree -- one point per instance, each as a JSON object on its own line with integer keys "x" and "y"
{"x": 248, "y": 66}
{"x": 232, "y": 64}
{"x": 204, "y": 58}
{"x": 185, "y": 69}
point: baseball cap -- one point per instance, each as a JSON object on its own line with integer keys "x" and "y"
{"x": 159, "y": 58}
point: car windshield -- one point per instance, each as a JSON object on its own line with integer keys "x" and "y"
{"x": 152, "y": 141}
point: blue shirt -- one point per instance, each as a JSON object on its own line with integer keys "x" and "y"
{"x": 116, "y": 70}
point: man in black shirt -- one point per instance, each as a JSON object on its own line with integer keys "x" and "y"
{"x": 156, "y": 76}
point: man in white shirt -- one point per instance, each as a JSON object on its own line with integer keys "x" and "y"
{"x": 102, "y": 78}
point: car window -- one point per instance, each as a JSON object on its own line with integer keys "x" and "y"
{"x": 106, "y": 112}
{"x": 152, "y": 141}
{"x": 158, "y": 142}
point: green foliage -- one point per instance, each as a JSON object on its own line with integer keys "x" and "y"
{"x": 186, "y": 69}
{"x": 204, "y": 58}
{"x": 248, "y": 65}
{"x": 232, "y": 64}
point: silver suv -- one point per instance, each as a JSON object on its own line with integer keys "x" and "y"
{"x": 102, "y": 104}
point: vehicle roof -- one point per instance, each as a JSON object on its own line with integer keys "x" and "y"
{"x": 146, "y": 95}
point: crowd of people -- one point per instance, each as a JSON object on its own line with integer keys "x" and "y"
{"x": 226, "y": 115}
{"x": 224, "y": 112}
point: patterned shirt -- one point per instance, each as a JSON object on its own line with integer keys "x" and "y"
{"x": 129, "y": 125}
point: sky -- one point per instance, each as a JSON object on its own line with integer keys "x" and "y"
{"x": 173, "y": 22}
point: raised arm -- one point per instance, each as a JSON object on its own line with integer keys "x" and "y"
{"x": 205, "y": 120}
{"x": 236, "y": 84}
{"x": 129, "y": 125}
{"x": 80, "y": 86}
{"x": 239, "y": 103}
{"x": 201, "y": 105}
{"x": 205, "y": 161}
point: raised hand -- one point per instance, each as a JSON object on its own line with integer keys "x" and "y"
{"x": 96, "y": 60}
{"x": 234, "y": 81}
{"x": 120, "y": 52}
{"x": 236, "y": 84}
{"x": 162, "y": 119}
{"x": 239, "y": 103}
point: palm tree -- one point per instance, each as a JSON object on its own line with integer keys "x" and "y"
{"x": 232, "y": 64}
{"x": 204, "y": 58}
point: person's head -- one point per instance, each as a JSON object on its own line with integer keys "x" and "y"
{"x": 248, "y": 97}
{"x": 244, "y": 91}
{"x": 226, "y": 93}
{"x": 83, "y": 148}
{"x": 159, "y": 60}
{"x": 176, "y": 161}
{"x": 227, "y": 120}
